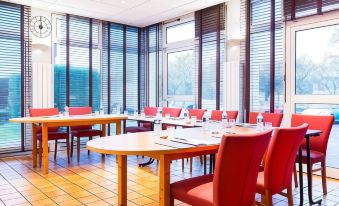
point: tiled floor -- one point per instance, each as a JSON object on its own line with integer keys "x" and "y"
{"x": 94, "y": 182}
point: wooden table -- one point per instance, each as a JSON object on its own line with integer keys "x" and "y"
{"x": 56, "y": 121}
{"x": 171, "y": 121}
{"x": 164, "y": 150}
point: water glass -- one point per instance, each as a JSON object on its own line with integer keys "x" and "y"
{"x": 96, "y": 113}
{"x": 125, "y": 112}
{"x": 60, "y": 114}
{"x": 170, "y": 132}
{"x": 193, "y": 120}
{"x": 66, "y": 114}
{"x": 143, "y": 115}
{"x": 167, "y": 116}
{"x": 268, "y": 125}
{"x": 231, "y": 122}
{"x": 136, "y": 113}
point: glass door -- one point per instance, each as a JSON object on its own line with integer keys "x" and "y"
{"x": 312, "y": 76}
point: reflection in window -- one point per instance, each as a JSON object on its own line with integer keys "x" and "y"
{"x": 317, "y": 62}
{"x": 180, "y": 73}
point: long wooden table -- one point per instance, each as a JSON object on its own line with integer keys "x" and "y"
{"x": 164, "y": 150}
{"x": 171, "y": 121}
{"x": 56, "y": 121}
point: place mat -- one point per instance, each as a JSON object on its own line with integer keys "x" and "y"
{"x": 173, "y": 144}
{"x": 195, "y": 142}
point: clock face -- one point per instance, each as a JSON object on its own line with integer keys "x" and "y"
{"x": 41, "y": 26}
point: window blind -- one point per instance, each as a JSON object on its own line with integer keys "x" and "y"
{"x": 209, "y": 29}
{"x": 294, "y": 9}
{"x": 15, "y": 74}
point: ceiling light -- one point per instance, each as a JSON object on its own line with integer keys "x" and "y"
{"x": 123, "y": 2}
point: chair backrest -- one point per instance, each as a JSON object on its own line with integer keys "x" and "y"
{"x": 237, "y": 168}
{"x": 217, "y": 115}
{"x": 199, "y": 113}
{"x": 174, "y": 112}
{"x": 150, "y": 111}
{"x": 323, "y": 123}
{"x": 275, "y": 118}
{"x": 280, "y": 157}
{"x": 80, "y": 111}
{"x": 39, "y": 112}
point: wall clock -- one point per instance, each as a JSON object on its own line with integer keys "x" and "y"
{"x": 40, "y": 26}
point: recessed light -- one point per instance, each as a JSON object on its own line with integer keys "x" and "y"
{"x": 123, "y": 2}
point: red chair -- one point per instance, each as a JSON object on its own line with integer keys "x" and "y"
{"x": 82, "y": 130}
{"x": 235, "y": 176}
{"x": 318, "y": 145}
{"x": 279, "y": 163}
{"x": 275, "y": 118}
{"x": 54, "y": 133}
{"x": 174, "y": 112}
{"x": 217, "y": 115}
{"x": 143, "y": 126}
{"x": 199, "y": 113}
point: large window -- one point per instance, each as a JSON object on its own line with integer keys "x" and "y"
{"x": 77, "y": 62}
{"x": 14, "y": 46}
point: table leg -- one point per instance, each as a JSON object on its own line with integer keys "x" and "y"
{"x": 122, "y": 180}
{"x": 103, "y": 130}
{"x": 34, "y": 145}
{"x": 301, "y": 181}
{"x": 118, "y": 127}
{"x": 164, "y": 183}
{"x": 309, "y": 173}
{"x": 45, "y": 148}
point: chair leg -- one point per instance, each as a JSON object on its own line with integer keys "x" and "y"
{"x": 201, "y": 160}
{"x": 72, "y": 140}
{"x": 67, "y": 147}
{"x": 191, "y": 165}
{"x": 55, "y": 149}
{"x": 78, "y": 149}
{"x": 295, "y": 176}
{"x": 171, "y": 201}
{"x": 323, "y": 177}
{"x": 88, "y": 152}
{"x": 268, "y": 198}
{"x": 40, "y": 153}
{"x": 290, "y": 196}
{"x": 183, "y": 164}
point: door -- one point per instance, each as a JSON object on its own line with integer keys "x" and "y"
{"x": 312, "y": 74}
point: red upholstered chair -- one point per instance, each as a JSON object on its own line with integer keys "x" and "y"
{"x": 199, "y": 113}
{"x": 279, "y": 163}
{"x": 82, "y": 130}
{"x": 217, "y": 115}
{"x": 174, "y": 112}
{"x": 318, "y": 145}
{"x": 54, "y": 133}
{"x": 275, "y": 118}
{"x": 235, "y": 176}
{"x": 143, "y": 126}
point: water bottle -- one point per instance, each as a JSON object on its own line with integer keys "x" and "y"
{"x": 224, "y": 119}
{"x": 157, "y": 126}
{"x": 66, "y": 111}
{"x": 102, "y": 112}
{"x": 186, "y": 116}
{"x": 260, "y": 122}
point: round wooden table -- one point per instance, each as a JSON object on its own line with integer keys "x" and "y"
{"x": 164, "y": 150}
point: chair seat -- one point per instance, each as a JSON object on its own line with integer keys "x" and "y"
{"x": 194, "y": 191}
{"x": 137, "y": 129}
{"x": 53, "y": 135}
{"x": 86, "y": 133}
{"x": 315, "y": 156}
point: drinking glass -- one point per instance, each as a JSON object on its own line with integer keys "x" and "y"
{"x": 167, "y": 116}
{"x": 143, "y": 115}
{"x": 268, "y": 125}
{"x": 193, "y": 120}
{"x": 231, "y": 122}
{"x": 170, "y": 132}
{"x": 96, "y": 113}
{"x": 125, "y": 112}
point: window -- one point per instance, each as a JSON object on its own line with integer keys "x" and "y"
{"x": 317, "y": 71}
{"x": 78, "y": 47}
{"x": 12, "y": 72}
{"x": 180, "y": 32}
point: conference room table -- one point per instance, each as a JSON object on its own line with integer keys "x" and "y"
{"x": 184, "y": 143}
{"x": 46, "y": 122}
{"x": 176, "y": 121}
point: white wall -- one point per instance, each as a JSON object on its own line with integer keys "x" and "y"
{"x": 42, "y": 74}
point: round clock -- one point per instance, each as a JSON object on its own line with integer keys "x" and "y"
{"x": 41, "y": 26}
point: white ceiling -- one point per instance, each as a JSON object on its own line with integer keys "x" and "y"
{"x": 132, "y": 12}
